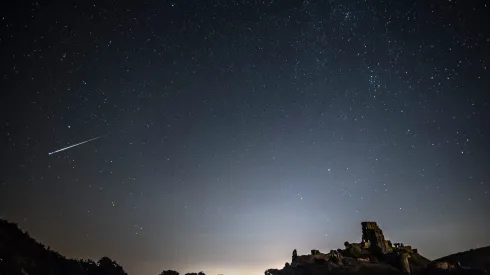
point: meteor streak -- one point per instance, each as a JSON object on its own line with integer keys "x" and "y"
{"x": 63, "y": 149}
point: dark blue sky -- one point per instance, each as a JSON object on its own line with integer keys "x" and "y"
{"x": 236, "y": 131}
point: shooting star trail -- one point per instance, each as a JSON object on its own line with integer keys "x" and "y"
{"x": 71, "y": 146}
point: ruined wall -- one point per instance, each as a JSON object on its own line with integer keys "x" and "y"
{"x": 315, "y": 251}
{"x": 388, "y": 246}
{"x": 300, "y": 260}
{"x": 374, "y": 235}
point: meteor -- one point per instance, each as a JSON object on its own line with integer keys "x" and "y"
{"x": 71, "y": 146}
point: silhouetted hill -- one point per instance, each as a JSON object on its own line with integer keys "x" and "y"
{"x": 475, "y": 258}
{"x": 22, "y": 255}
{"x": 418, "y": 260}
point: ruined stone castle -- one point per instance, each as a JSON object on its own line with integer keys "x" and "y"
{"x": 373, "y": 238}
{"x": 372, "y": 242}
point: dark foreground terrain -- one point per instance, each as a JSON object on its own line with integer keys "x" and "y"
{"x": 20, "y": 254}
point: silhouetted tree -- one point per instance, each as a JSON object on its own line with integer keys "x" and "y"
{"x": 169, "y": 272}
{"x": 106, "y": 266}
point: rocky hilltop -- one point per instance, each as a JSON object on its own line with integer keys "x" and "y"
{"x": 376, "y": 255}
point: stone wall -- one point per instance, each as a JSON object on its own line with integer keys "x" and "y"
{"x": 374, "y": 235}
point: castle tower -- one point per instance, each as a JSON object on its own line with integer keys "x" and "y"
{"x": 374, "y": 235}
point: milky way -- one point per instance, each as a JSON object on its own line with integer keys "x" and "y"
{"x": 241, "y": 130}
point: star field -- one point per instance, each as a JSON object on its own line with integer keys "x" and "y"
{"x": 232, "y": 132}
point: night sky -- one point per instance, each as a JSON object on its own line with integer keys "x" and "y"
{"x": 232, "y": 132}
